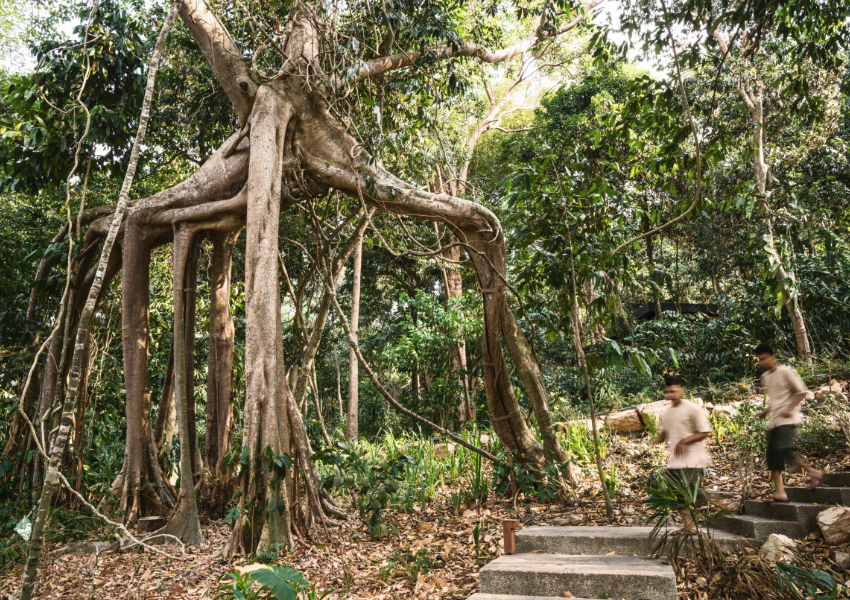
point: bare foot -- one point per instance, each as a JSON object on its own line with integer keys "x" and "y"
{"x": 815, "y": 477}
{"x": 776, "y": 499}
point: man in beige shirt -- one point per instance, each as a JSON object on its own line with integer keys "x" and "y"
{"x": 684, "y": 428}
{"x": 785, "y": 392}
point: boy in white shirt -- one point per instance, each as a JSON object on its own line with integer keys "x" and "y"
{"x": 785, "y": 392}
{"x": 685, "y": 429}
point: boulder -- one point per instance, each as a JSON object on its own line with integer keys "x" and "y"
{"x": 834, "y": 523}
{"x": 624, "y": 421}
{"x": 442, "y": 451}
{"x": 836, "y": 388}
{"x": 778, "y": 548}
{"x": 654, "y": 410}
{"x": 842, "y": 559}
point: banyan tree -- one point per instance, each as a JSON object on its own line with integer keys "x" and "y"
{"x": 290, "y": 147}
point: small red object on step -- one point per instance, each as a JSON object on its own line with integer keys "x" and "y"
{"x": 509, "y": 527}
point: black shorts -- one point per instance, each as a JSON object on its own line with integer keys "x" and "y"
{"x": 781, "y": 447}
{"x": 691, "y": 478}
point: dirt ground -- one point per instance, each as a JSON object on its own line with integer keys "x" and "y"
{"x": 430, "y": 553}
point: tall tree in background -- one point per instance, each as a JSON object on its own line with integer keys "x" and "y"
{"x": 352, "y": 424}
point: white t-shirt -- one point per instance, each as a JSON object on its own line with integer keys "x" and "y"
{"x": 783, "y": 385}
{"x": 680, "y": 422}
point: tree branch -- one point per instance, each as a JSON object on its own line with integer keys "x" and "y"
{"x": 225, "y": 58}
{"x": 385, "y": 64}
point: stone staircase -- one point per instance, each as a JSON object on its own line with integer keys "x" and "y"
{"x": 614, "y": 562}
{"x": 795, "y": 518}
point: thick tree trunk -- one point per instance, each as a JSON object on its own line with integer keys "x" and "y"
{"x": 264, "y": 519}
{"x": 184, "y": 522}
{"x": 352, "y": 424}
{"x": 137, "y": 498}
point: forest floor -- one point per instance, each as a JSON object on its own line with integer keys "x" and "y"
{"x": 430, "y": 554}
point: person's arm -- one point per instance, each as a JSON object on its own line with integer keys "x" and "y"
{"x": 763, "y": 414}
{"x": 795, "y": 382}
{"x": 684, "y": 442}
{"x": 795, "y": 402}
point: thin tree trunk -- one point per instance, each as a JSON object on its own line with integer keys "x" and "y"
{"x": 55, "y": 452}
{"x": 220, "y": 366}
{"x": 352, "y": 425}
{"x": 453, "y": 282}
{"x": 190, "y": 303}
{"x": 578, "y": 333}
{"x": 338, "y": 386}
{"x": 318, "y": 401}
{"x": 650, "y": 259}
{"x": 166, "y": 402}
{"x": 754, "y": 101}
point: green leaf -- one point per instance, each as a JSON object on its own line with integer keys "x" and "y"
{"x": 279, "y": 581}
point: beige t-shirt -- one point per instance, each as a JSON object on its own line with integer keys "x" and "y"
{"x": 783, "y": 385}
{"x": 680, "y": 422}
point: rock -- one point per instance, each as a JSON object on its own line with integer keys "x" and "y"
{"x": 725, "y": 411}
{"x": 150, "y": 524}
{"x": 442, "y": 451}
{"x": 574, "y": 474}
{"x": 486, "y": 439}
{"x": 625, "y": 421}
{"x": 834, "y": 523}
{"x": 842, "y": 559}
{"x": 778, "y": 548}
{"x": 654, "y": 410}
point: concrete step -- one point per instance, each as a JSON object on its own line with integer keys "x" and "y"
{"x": 759, "y": 528}
{"x": 512, "y": 597}
{"x": 600, "y": 540}
{"x": 836, "y": 479}
{"x": 632, "y": 577}
{"x": 819, "y": 495}
{"x": 799, "y": 512}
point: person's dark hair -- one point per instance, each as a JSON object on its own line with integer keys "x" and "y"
{"x": 764, "y": 349}
{"x": 673, "y": 380}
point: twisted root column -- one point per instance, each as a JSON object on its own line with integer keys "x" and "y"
{"x": 184, "y": 522}
{"x": 263, "y": 503}
{"x": 149, "y": 224}
{"x": 136, "y": 497}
